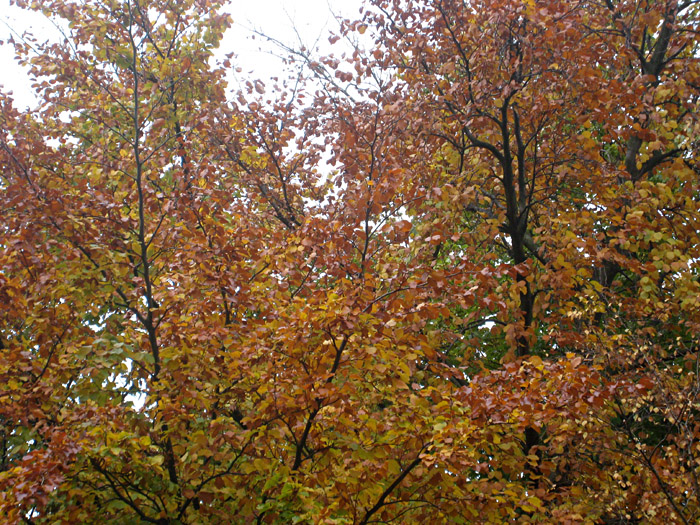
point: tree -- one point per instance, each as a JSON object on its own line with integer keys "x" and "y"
{"x": 458, "y": 286}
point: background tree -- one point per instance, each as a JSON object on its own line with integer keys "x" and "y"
{"x": 548, "y": 122}
{"x": 459, "y": 285}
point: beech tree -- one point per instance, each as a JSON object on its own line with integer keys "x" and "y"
{"x": 448, "y": 277}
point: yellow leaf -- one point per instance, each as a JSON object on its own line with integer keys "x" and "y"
{"x": 156, "y": 460}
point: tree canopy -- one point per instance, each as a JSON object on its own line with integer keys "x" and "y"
{"x": 448, "y": 276}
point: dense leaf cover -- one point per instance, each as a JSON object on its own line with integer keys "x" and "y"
{"x": 451, "y": 277}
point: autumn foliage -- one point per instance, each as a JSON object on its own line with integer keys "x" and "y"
{"x": 448, "y": 277}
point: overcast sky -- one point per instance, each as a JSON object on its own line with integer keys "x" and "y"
{"x": 278, "y": 18}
